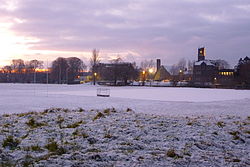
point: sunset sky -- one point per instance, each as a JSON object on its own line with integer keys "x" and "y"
{"x": 134, "y": 29}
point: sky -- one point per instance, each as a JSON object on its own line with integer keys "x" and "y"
{"x": 135, "y": 30}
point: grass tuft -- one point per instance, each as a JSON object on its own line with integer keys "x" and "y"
{"x": 98, "y": 116}
{"x": 171, "y": 153}
{"x": 10, "y": 142}
{"x": 220, "y": 124}
{"x": 53, "y": 147}
{"x": 33, "y": 124}
{"x": 75, "y": 125}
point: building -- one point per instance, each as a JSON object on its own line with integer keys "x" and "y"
{"x": 161, "y": 73}
{"x": 204, "y": 71}
{"x": 225, "y": 78}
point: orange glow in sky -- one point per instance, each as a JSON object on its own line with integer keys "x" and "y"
{"x": 12, "y": 46}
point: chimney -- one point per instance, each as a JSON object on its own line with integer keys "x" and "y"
{"x": 158, "y": 64}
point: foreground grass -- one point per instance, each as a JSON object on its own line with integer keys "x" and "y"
{"x": 63, "y": 137}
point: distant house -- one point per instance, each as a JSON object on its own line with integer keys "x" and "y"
{"x": 204, "y": 71}
{"x": 161, "y": 73}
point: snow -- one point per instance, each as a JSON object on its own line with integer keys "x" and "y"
{"x": 18, "y": 98}
{"x": 166, "y": 126}
{"x": 123, "y": 138}
{"x": 207, "y": 62}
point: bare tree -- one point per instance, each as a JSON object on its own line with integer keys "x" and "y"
{"x": 31, "y": 67}
{"x": 181, "y": 65}
{"x": 7, "y": 69}
{"x": 147, "y": 64}
{"x": 18, "y": 65}
{"x": 94, "y": 61}
{"x": 190, "y": 66}
{"x": 222, "y": 64}
{"x": 36, "y": 64}
{"x": 174, "y": 70}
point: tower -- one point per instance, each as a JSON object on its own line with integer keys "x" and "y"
{"x": 201, "y": 53}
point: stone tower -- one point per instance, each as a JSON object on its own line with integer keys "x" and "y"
{"x": 201, "y": 53}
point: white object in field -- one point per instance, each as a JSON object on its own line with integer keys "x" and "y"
{"x": 103, "y": 92}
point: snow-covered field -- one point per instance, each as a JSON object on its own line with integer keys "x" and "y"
{"x": 61, "y": 137}
{"x": 144, "y": 126}
{"x": 18, "y": 98}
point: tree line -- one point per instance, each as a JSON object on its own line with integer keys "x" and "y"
{"x": 63, "y": 70}
{"x": 67, "y": 70}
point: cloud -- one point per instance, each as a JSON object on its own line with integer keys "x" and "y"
{"x": 150, "y": 28}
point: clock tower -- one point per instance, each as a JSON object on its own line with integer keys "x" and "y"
{"x": 201, "y": 53}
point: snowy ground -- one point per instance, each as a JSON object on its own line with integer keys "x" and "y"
{"x": 167, "y": 127}
{"x": 18, "y": 98}
{"x": 61, "y": 137}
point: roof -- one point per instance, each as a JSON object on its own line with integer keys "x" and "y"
{"x": 162, "y": 74}
{"x": 207, "y": 62}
